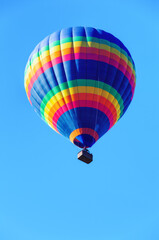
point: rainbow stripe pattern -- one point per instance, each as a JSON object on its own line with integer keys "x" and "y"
{"x": 80, "y": 81}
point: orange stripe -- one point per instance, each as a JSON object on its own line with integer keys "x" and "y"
{"x": 80, "y": 131}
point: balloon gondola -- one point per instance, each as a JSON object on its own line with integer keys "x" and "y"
{"x": 80, "y": 81}
{"x": 85, "y": 156}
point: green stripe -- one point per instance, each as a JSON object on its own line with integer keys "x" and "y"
{"x": 75, "y": 39}
{"x": 80, "y": 83}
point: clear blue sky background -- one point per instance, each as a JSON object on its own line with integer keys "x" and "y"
{"x": 45, "y": 192}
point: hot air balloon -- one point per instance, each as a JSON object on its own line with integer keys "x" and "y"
{"x": 80, "y": 81}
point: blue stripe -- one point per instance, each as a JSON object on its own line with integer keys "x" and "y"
{"x": 68, "y": 71}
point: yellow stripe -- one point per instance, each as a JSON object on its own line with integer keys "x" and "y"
{"x": 44, "y": 54}
{"x": 55, "y": 49}
{"x": 36, "y": 60}
{"x": 66, "y": 45}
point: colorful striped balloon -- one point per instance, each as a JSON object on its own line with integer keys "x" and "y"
{"x": 80, "y": 81}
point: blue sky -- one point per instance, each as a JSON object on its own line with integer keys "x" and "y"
{"x": 45, "y": 192}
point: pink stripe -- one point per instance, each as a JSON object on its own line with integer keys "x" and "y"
{"x": 114, "y": 63}
{"x": 104, "y": 58}
{"x": 68, "y": 57}
{"x": 84, "y": 103}
{"x": 56, "y": 61}
{"x": 47, "y": 65}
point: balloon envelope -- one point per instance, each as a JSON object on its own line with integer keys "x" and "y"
{"x": 80, "y": 81}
